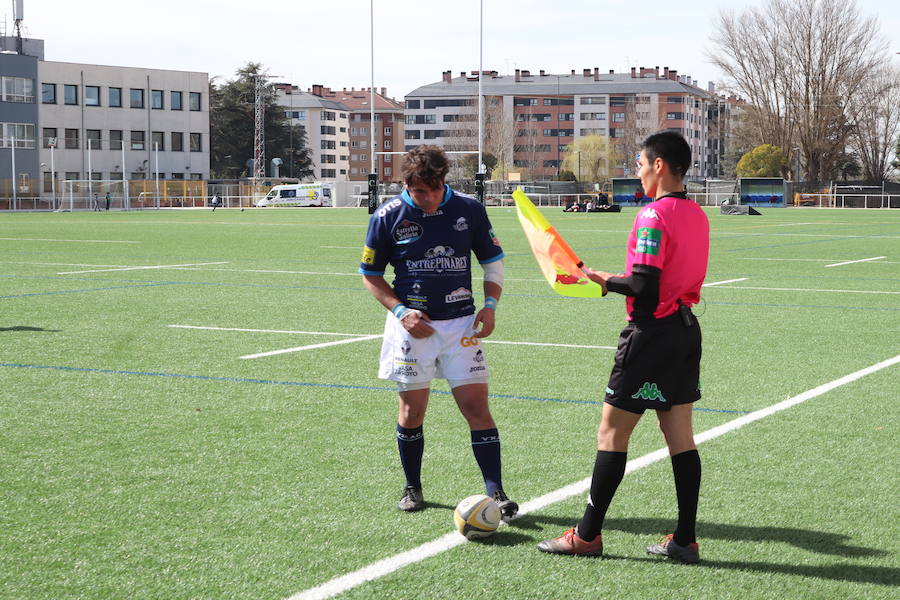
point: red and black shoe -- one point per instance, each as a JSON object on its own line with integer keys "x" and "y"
{"x": 689, "y": 554}
{"x": 570, "y": 543}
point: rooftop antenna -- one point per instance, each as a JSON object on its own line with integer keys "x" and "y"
{"x": 18, "y": 15}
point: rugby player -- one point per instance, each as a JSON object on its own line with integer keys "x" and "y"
{"x": 428, "y": 235}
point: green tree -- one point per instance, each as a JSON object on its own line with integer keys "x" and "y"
{"x": 232, "y": 125}
{"x": 897, "y": 155}
{"x": 591, "y": 158}
{"x": 847, "y": 165}
{"x": 763, "y": 161}
{"x": 470, "y": 164}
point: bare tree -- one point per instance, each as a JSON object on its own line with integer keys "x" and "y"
{"x": 592, "y": 158}
{"x": 801, "y": 64}
{"x": 877, "y": 123}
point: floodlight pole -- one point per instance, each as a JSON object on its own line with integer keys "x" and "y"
{"x": 156, "y": 152}
{"x": 52, "y": 145}
{"x": 89, "y": 176}
{"x": 12, "y": 155}
{"x": 479, "y": 176}
{"x": 372, "y": 177}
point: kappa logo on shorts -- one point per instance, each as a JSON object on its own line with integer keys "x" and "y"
{"x": 649, "y": 391}
{"x": 467, "y": 342}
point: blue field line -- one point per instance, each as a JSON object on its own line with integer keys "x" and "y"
{"x": 339, "y": 386}
{"x": 80, "y": 291}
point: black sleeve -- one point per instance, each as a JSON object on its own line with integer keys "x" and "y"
{"x": 643, "y": 284}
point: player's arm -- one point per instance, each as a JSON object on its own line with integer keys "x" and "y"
{"x": 414, "y": 321}
{"x": 493, "y": 287}
{"x": 643, "y": 283}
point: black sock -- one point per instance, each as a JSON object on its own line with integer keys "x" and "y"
{"x": 686, "y": 469}
{"x": 486, "y": 448}
{"x": 609, "y": 468}
{"x": 411, "y": 444}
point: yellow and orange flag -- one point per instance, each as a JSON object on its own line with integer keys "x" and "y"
{"x": 558, "y": 262}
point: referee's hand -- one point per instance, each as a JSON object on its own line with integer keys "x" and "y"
{"x": 417, "y": 324}
{"x": 485, "y": 318}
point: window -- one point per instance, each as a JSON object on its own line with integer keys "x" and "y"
{"x": 433, "y": 134}
{"x": 444, "y": 103}
{"x": 412, "y": 134}
{"x": 354, "y": 131}
{"x": 342, "y": 129}
{"x": 617, "y": 100}
{"x": 354, "y": 157}
{"x": 618, "y": 117}
{"x": 354, "y": 144}
{"x": 175, "y": 103}
{"x": 598, "y": 116}
{"x": 458, "y": 118}
{"x": 92, "y": 95}
{"x": 364, "y": 171}
{"x": 343, "y": 143}
{"x": 343, "y": 115}
{"x": 388, "y": 145}
{"x": 156, "y": 99}
{"x": 194, "y": 99}
{"x": 71, "y": 139}
{"x": 674, "y": 100}
{"x": 412, "y": 104}
{"x": 327, "y": 115}
{"x": 137, "y": 175}
{"x": 388, "y": 131}
{"x": 674, "y": 116}
{"x": 327, "y": 159}
{"x": 593, "y": 100}
{"x": 328, "y": 172}
{"x": 517, "y": 101}
{"x": 354, "y": 170}
{"x": 388, "y": 171}
{"x": 48, "y": 181}
{"x": 196, "y": 176}
{"x": 364, "y": 144}
{"x": 92, "y": 139}
{"x": 592, "y": 131}
{"x": 196, "y": 142}
{"x": 566, "y": 116}
{"x": 22, "y": 132}
{"x": 18, "y": 89}
{"x": 48, "y": 93}
{"x": 72, "y": 175}
{"x": 177, "y": 175}
{"x": 48, "y": 136}
{"x": 327, "y": 145}
{"x": 115, "y": 97}
{"x": 363, "y": 131}
{"x": 158, "y": 140}
{"x": 137, "y": 98}
{"x": 70, "y": 94}
{"x": 115, "y": 139}
{"x": 388, "y": 158}
{"x": 326, "y": 130}
{"x": 343, "y": 171}
{"x": 363, "y": 157}
{"x": 115, "y": 176}
{"x": 137, "y": 140}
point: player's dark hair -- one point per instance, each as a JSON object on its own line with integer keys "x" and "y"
{"x": 672, "y": 148}
{"x": 425, "y": 164}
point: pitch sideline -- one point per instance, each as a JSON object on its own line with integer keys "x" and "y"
{"x": 386, "y": 566}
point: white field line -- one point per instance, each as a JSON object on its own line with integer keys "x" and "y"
{"x": 367, "y": 336}
{"x": 884, "y": 262}
{"x": 311, "y": 347}
{"x": 850, "y": 262}
{"x": 775, "y": 289}
{"x": 82, "y": 241}
{"x": 270, "y": 271}
{"x": 724, "y": 282}
{"x": 271, "y": 331}
{"x": 224, "y": 262}
{"x": 386, "y": 566}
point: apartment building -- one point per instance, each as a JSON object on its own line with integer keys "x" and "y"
{"x": 388, "y": 131}
{"x": 326, "y": 122}
{"x": 532, "y": 118}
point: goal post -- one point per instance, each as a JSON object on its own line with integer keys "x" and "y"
{"x": 86, "y": 194}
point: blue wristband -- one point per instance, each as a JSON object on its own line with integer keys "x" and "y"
{"x": 490, "y": 302}
{"x": 398, "y": 309}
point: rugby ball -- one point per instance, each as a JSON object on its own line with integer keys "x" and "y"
{"x": 477, "y": 516}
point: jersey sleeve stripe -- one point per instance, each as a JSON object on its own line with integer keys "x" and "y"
{"x": 492, "y": 259}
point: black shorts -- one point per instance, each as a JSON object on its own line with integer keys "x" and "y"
{"x": 657, "y": 364}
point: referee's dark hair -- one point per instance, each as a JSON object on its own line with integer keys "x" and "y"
{"x": 672, "y": 148}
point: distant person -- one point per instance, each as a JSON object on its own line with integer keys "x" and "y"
{"x": 602, "y": 200}
{"x": 657, "y": 363}
{"x": 95, "y": 203}
{"x": 216, "y": 201}
{"x": 108, "y": 200}
{"x": 589, "y": 207}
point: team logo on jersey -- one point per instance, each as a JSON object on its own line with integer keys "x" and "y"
{"x": 434, "y": 214}
{"x": 648, "y": 240}
{"x": 368, "y": 255}
{"x": 439, "y": 251}
{"x": 407, "y": 231}
{"x": 416, "y": 287}
{"x": 461, "y": 224}
{"x": 389, "y": 206}
{"x": 406, "y": 347}
{"x": 650, "y": 213}
{"x": 649, "y": 391}
{"x": 458, "y": 295}
{"x": 494, "y": 237}
{"x": 438, "y": 260}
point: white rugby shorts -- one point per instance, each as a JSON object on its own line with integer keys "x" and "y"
{"x": 452, "y": 352}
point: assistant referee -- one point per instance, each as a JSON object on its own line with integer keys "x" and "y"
{"x": 657, "y": 363}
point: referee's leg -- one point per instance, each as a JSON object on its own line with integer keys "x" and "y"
{"x": 677, "y": 429}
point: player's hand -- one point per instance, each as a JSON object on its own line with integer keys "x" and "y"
{"x": 486, "y": 318}
{"x": 599, "y": 277}
{"x": 417, "y": 324}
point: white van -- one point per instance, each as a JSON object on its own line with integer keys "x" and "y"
{"x": 298, "y": 194}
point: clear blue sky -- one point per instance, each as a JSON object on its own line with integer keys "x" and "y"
{"x": 310, "y": 41}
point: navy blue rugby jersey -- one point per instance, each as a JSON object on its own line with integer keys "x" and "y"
{"x": 431, "y": 252}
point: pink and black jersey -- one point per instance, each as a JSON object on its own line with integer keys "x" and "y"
{"x": 670, "y": 234}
